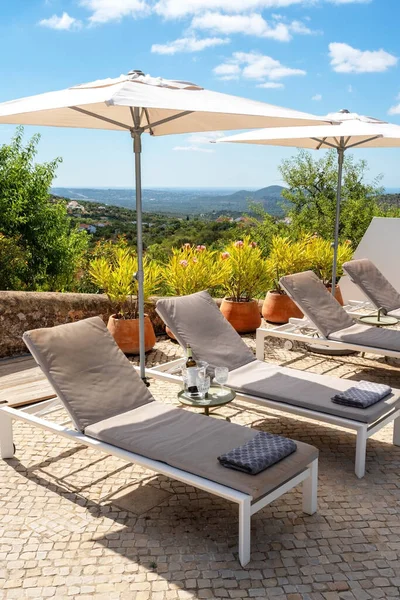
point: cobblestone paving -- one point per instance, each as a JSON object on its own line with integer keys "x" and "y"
{"x": 76, "y": 524}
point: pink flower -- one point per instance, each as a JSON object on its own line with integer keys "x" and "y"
{"x": 225, "y": 255}
{"x": 195, "y": 260}
{"x": 239, "y": 244}
{"x": 200, "y": 248}
{"x": 186, "y": 246}
{"x": 184, "y": 263}
{"x": 253, "y": 244}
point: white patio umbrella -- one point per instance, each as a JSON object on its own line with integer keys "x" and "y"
{"x": 349, "y": 131}
{"x": 138, "y": 103}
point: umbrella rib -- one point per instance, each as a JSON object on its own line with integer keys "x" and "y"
{"x": 371, "y": 139}
{"x": 100, "y": 117}
{"x": 146, "y": 112}
{"x": 322, "y": 142}
{"x": 168, "y": 119}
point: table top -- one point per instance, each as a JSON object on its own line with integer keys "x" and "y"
{"x": 383, "y": 321}
{"x": 214, "y": 397}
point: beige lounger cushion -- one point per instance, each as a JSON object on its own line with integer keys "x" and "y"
{"x": 373, "y": 283}
{"x": 196, "y": 320}
{"x": 192, "y": 443}
{"x": 305, "y": 390}
{"x": 314, "y": 300}
{"x": 367, "y": 335}
{"x": 87, "y": 370}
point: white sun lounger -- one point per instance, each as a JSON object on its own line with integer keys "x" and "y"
{"x": 374, "y": 285}
{"x": 197, "y": 321}
{"x": 114, "y": 412}
{"x": 327, "y": 323}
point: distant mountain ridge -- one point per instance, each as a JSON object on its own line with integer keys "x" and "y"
{"x": 182, "y": 201}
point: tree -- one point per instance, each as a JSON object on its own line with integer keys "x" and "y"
{"x": 51, "y": 245}
{"x": 312, "y": 185}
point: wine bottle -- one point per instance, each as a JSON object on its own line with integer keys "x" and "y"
{"x": 191, "y": 369}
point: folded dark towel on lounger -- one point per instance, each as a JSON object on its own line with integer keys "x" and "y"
{"x": 362, "y": 395}
{"x": 256, "y": 455}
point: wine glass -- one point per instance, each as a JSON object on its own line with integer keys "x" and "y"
{"x": 221, "y": 377}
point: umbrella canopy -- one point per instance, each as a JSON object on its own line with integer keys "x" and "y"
{"x": 138, "y": 103}
{"x": 167, "y": 107}
{"x": 355, "y": 129}
{"x": 349, "y": 130}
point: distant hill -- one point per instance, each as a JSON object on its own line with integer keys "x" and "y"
{"x": 182, "y": 201}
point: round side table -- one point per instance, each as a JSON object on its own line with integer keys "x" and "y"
{"x": 213, "y": 399}
{"x": 379, "y": 320}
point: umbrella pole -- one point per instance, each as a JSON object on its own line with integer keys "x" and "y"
{"x": 137, "y": 148}
{"x": 340, "y": 152}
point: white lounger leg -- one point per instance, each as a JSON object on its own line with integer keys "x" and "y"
{"x": 6, "y": 436}
{"x": 244, "y": 531}
{"x": 361, "y": 451}
{"x": 396, "y": 431}
{"x": 310, "y": 489}
{"x": 260, "y": 344}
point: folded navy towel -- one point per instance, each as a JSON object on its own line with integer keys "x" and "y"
{"x": 363, "y": 395}
{"x": 256, "y": 455}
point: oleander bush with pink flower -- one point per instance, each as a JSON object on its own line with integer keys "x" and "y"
{"x": 192, "y": 269}
{"x": 245, "y": 273}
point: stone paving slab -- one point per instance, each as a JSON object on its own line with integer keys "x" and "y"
{"x": 61, "y": 534}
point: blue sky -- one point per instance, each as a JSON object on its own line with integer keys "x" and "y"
{"x": 312, "y": 55}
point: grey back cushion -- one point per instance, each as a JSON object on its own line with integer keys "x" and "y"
{"x": 196, "y": 320}
{"x": 312, "y": 297}
{"x": 373, "y": 283}
{"x": 87, "y": 370}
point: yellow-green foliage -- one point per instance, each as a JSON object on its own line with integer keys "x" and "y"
{"x": 193, "y": 269}
{"x": 246, "y": 275}
{"x": 320, "y": 257}
{"x": 286, "y": 258}
{"x": 114, "y": 273}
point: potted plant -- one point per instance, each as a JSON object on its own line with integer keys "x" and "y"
{"x": 114, "y": 274}
{"x": 192, "y": 269}
{"x": 320, "y": 255}
{"x": 245, "y": 278}
{"x": 286, "y": 258}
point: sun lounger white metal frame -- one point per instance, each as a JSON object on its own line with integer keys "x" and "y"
{"x": 165, "y": 372}
{"x": 306, "y": 331}
{"x": 247, "y": 507}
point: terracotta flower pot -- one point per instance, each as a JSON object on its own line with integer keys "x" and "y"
{"x": 126, "y": 333}
{"x": 243, "y": 316}
{"x": 279, "y": 308}
{"x": 338, "y": 293}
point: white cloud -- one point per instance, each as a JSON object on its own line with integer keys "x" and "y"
{"x": 395, "y": 110}
{"x": 188, "y": 44}
{"x": 65, "y": 22}
{"x": 271, "y": 85}
{"x": 104, "y": 11}
{"x": 252, "y": 65}
{"x": 195, "y": 141}
{"x": 346, "y": 59}
{"x": 249, "y": 24}
{"x": 174, "y": 9}
{"x": 205, "y": 138}
{"x": 227, "y": 71}
{"x": 317, "y": 97}
{"x": 193, "y": 149}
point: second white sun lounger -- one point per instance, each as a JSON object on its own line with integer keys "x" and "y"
{"x": 114, "y": 412}
{"x": 197, "y": 321}
{"x": 374, "y": 285}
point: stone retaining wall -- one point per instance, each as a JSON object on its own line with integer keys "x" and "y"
{"x": 21, "y": 311}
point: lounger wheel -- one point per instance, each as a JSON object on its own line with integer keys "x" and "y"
{"x": 288, "y": 345}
